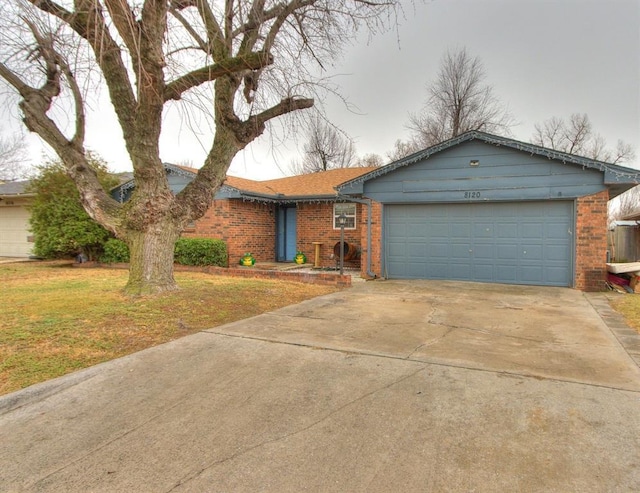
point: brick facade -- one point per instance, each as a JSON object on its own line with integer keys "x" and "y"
{"x": 243, "y": 226}
{"x": 591, "y": 241}
{"x": 315, "y": 224}
{"x": 376, "y": 240}
{"x": 251, "y": 227}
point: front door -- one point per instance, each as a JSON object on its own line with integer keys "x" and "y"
{"x": 286, "y": 233}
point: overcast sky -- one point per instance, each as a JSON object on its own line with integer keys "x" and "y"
{"x": 543, "y": 58}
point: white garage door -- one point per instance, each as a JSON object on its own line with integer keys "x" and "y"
{"x": 14, "y": 232}
{"x": 513, "y": 243}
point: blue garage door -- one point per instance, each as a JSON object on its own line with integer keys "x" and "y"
{"x": 513, "y": 243}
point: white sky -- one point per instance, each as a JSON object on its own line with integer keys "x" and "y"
{"x": 543, "y": 58}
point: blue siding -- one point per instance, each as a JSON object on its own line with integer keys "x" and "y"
{"x": 177, "y": 182}
{"x": 503, "y": 174}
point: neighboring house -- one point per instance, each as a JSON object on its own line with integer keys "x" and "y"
{"x": 624, "y": 241}
{"x": 475, "y": 208}
{"x": 15, "y": 238}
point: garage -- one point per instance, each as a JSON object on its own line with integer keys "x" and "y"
{"x": 511, "y": 242}
{"x": 487, "y": 208}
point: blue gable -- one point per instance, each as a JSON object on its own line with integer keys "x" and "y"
{"x": 481, "y": 167}
{"x": 177, "y": 177}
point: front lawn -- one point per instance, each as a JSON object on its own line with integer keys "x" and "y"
{"x": 57, "y": 318}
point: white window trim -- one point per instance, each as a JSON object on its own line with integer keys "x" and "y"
{"x": 354, "y": 216}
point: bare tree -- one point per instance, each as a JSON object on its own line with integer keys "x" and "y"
{"x": 403, "y": 148}
{"x": 458, "y": 101}
{"x": 13, "y": 157}
{"x": 245, "y": 61}
{"x": 624, "y": 205}
{"x": 576, "y": 136}
{"x": 326, "y": 148}
{"x": 370, "y": 160}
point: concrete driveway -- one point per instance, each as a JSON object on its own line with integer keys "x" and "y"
{"x": 388, "y": 386}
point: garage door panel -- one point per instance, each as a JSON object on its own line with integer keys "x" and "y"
{"x": 507, "y": 272}
{"x": 557, "y": 231}
{"x": 483, "y": 270}
{"x": 507, "y": 230}
{"x": 438, "y": 250}
{"x": 555, "y": 252}
{"x": 521, "y": 243}
{"x": 484, "y": 252}
{"x": 532, "y": 253}
{"x": 14, "y": 232}
{"x": 532, "y": 230}
{"x": 532, "y": 274}
{"x": 483, "y": 230}
{"x": 459, "y": 252}
{"x": 436, "y": 270}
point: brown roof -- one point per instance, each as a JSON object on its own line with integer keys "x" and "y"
{"x": 322, "y": 183}
{"x": 313, "y": 184}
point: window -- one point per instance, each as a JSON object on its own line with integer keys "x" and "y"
{"x": 348, "y": 210}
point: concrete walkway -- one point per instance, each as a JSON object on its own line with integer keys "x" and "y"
{"x": 387, "y": 386}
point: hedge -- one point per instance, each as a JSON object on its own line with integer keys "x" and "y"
{"x": 201, "y": 251}
{"x": 188, "y": 251}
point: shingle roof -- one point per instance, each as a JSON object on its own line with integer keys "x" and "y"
{"x": 311, "y": 187}
{"x": 14, "y": 188}
{"x": 321, "y": 184}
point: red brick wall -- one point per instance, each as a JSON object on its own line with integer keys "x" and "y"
{"x": 591, "y": 241}
{"x": 244, "y": 226}
{"x": 375, "y": 249}
{"x": 315, "y": 223}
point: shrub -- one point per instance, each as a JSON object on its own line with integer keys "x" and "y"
{"x": 188, "y": 251}
{"x": 115, "y": 251}
{"x": 201, "y": 251}
{"x": 61, "y": 226}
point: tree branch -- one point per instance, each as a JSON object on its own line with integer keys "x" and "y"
{"x": 287, "y": 105}
{"x": 202, "y": 44}
{"x": 215, "y": 36}
{"x": 89, "y": 24}
{"x": 254, "y": 61}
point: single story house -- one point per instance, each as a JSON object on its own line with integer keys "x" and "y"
{"x": 15, "y": 238}
{"x": 477, "y": 207}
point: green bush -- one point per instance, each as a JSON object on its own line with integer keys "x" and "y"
{"x": 201, "y": 251}
{"x": 61, "y": 226}
{"x": 188, "y": 251}
{"x": 115, "y": 251}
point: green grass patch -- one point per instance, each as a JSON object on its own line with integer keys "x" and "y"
{"x": 58, "y": 319}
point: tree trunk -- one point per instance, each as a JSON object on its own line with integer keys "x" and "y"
{"x": 151, "y": 259}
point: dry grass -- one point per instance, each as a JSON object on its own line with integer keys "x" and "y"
{"x": 57, "y": 319}
{"x": 629, "y": 307}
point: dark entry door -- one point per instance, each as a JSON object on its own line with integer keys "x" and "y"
{"x": 286, "y": 233}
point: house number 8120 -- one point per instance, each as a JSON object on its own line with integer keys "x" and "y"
{"x": 471, "y": 195}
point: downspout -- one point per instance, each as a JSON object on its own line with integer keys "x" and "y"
{"x": 366, "y": 202}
